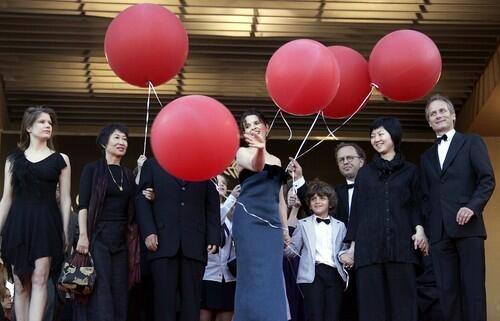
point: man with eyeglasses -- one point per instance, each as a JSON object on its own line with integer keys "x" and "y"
{"x": 350, "y": 157}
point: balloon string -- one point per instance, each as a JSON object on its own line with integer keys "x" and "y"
{"x": 157, "y": 98}
{"x": 373, "y": 86}
{"x": 328, "y": 128}
{"x": 307, "y": 136}
{"x": 272, "y": 123}
{"x": 247, "y": 212}
{"x": 287, "y": 125}
{"x": 150, "y": 85}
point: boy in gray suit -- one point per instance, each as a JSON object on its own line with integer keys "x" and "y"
{"x": 318, "y": 240}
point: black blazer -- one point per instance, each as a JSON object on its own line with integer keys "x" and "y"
{"x": 341, "y": 212}
{"x": 184, "y": 214}
{"x": 466, "y": 180}
{"x": 384, "y": 213}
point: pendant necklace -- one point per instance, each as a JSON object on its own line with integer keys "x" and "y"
{"x": 120, "y": 187}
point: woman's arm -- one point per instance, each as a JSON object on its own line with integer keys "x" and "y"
{"x": 283, "y": 218}
{"x": 6, "y": 201}
{"x": 82, "y": 246}
{"x": 65, "y": 196}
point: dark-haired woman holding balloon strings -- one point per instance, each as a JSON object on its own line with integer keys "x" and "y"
{"x": 259, "y": 228}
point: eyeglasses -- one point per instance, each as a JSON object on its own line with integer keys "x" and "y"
{"x": 348, "y": 159}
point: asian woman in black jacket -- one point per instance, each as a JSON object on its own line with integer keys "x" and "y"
{"x": 385, "y": 229}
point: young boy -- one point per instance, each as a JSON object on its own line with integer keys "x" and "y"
{"x": 318, "y": 239}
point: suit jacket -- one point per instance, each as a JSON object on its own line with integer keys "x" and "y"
{"x": 184, "y": 215}
{"x": 342, "y": 209}
{"x": 466, "y": 180}
{"x": 304, "y": 242}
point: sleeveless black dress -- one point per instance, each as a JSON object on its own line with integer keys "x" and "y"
{"x": 33, "y": 228}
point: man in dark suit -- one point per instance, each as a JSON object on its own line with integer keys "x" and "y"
{"x": 457, "y": 182}
{"x": 180, "y": 226}
{"x": 350, "y": 157}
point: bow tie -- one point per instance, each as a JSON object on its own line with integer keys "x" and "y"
{"x": 440, "y": 139}
{"x": 349, "y": 186}
{"x": 326, "y": 220}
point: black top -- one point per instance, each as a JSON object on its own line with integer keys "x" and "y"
{"x": 384, "y": 212}
{"x": 115, "y": 207}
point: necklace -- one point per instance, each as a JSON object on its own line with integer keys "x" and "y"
{"x": 120, "y": 187}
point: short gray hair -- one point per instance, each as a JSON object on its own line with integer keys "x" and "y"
{"x": 435, "y": 97}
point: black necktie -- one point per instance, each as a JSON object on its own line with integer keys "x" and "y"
{"x": 223, "y": 235}
{"x": 349, "y": 186}
{"x": 326, "y": 220}
{"x": 440, "y": 139}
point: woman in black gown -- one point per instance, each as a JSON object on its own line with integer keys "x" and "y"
{"x": 35, "y": 228}
{"x": 105, "y": 217}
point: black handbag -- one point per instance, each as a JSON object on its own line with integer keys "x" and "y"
{"x": 78, "y": 274}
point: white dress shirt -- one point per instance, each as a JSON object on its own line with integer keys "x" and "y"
{"x": 324, "y": 242}
{"x": 444, "y": 145}
{"x": 350, "y": 191}
{"x": 216, "y": 268}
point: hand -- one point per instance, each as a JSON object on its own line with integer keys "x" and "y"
{"x": 255, "y": 140}
{"x": 236, "y": 191}
{"x": 286, "y": 237}
{"x": 82, "y": 246}
{"x": 149, "y": 194}
{"x": 347, "y": 259}
{"x": 420, "y": 241}
{"x": 212, "y": 249}
{"x": 141, "y": 160}
{"x": 294, "y": 169}
{"x": 463, "y": 215}
{"x": 152, "y": 242}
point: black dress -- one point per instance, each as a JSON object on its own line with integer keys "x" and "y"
{"x": 33, "y": 228}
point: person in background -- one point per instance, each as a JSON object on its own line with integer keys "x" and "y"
{"x": 291, "y": 264}
{"x": 218, "y": 288}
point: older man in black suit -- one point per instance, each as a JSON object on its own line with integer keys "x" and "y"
{"x": 180, "y": 226}
{"x": 457, "y": 182}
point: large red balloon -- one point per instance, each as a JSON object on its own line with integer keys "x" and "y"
{"x": 355, "y": 85}
{"x": 146, "y": 42}
{"x": 194, "y": 138}
{"x": 302, "y": 77}
{"x": 405, "y": 65}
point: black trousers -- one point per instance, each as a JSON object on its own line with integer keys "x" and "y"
{"x": 177, "y": 288}
{"x": 460, "y": 275}
{"x": 387, "y": 292}
{"x": 323, "y": 297}
{"x": 349, "y": 303}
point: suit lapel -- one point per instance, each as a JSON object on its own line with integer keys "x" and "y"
{"x": 456, "y": 143}
{"x": 311, "y": 236}
{"x": 434, "y": 159}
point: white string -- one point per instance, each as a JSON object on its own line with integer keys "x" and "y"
{"x": 272, "y": 123}
{"x": 341, "y": 125}
{"x": 307, "y": 136}
{"x": 147, "y": 119}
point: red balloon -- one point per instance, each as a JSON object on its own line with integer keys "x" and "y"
{"x": 355, "y": 84}
{"x": 146, "y": 42}
{"x": 405, "y": 65}
{"x": 302, "y": 77}
{"x": 194, "y": 138}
